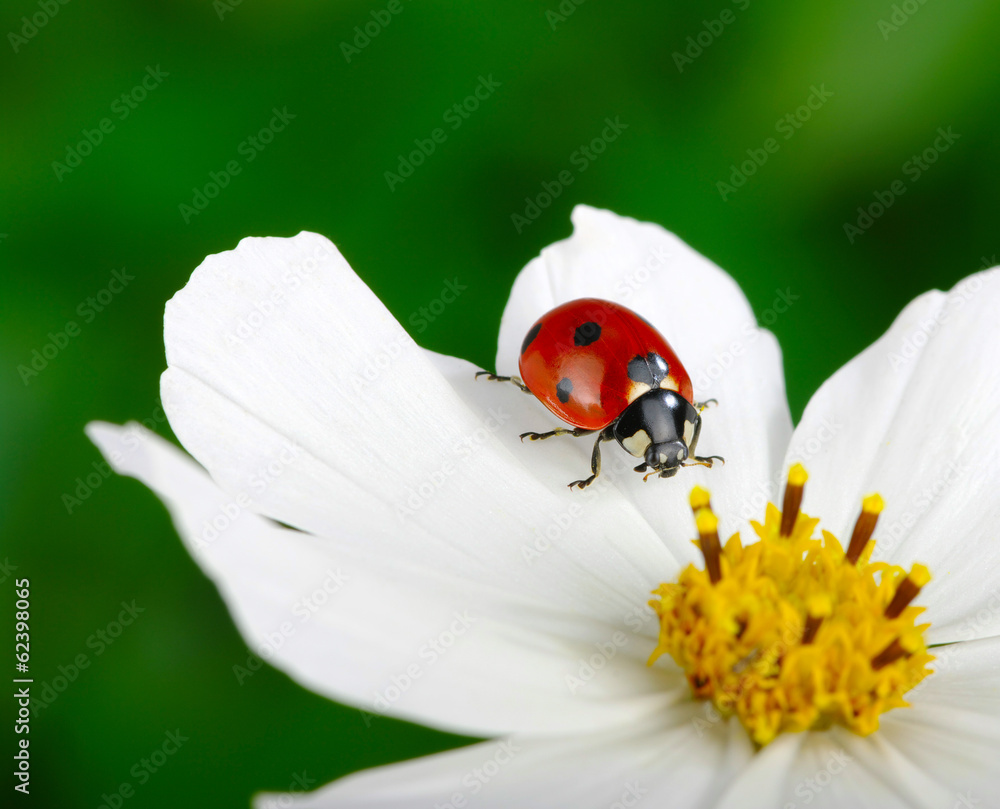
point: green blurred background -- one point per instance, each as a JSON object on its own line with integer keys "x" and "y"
{"x": 897, "y": 74}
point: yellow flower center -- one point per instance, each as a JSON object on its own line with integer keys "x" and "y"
{"x": 794, "y": 632}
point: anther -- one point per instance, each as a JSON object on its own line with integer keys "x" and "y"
{"x": 907, "y": 590}
{"x": 797, "y": 477}
{"x": 903, "y": 646}
{"x": 818, "y": 608}
{"x": 699, "y": 499}
{"x": 708, "y": 533}
{"x": 871, "y": 507}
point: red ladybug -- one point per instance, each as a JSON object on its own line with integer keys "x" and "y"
{"x": 603, "y": 369}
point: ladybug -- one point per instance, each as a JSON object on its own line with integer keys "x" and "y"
{"x": 603, "y": 369}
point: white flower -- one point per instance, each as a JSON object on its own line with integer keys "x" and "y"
{"x": 442, "y": 572}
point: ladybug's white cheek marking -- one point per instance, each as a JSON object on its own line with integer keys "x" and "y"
{"x": 668, "y": 383}
{"x": 637, "y": 444}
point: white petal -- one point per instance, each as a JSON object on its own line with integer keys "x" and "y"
{"x": 830, "y": 770}
{"x": 952, "y": 731}
{"x": 292, "y": 384}
{"x": 411, "y": 643}
{"x": 707, "y": 320}
{"x": 916, "y": 417}
{"x": 647, "y": 765}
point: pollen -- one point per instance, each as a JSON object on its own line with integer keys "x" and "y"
{"x": 794, "y": 632}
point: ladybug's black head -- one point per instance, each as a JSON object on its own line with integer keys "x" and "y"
{"x": 662, "y": 428}
{"x": 666, "y": 457}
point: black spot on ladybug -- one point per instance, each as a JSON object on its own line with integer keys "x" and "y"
{"x": 659, "y": 366}
{"x": 587, "y": 333}
{"x": 530, "y": 336}
{"x": 649, "y": 370}
{"x": 564, "y": 389}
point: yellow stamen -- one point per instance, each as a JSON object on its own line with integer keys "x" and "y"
{"x": 871, "y": 507}
{"x": 797, "y": 477}
{"x": 791, "y": 638}
{"x": 903, "y": 646}
{"x": 818, "y": 607}
{"x": 907, "y": 590}
{"x": 708, "y": 534}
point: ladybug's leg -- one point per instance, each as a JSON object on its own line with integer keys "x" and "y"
{"x": 697, "y": 460}
{"x": 559, "y": 431}
{"x": 515, "y": 380}
{"x": 595, "y": 460}
{"x": 699, "y": 406}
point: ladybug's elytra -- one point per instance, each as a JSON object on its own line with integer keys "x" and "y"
{"x": 604, "y": 369}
